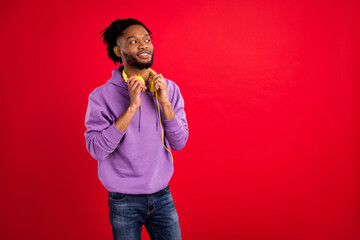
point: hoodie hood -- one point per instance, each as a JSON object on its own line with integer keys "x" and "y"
{"x": 117, "y": 78}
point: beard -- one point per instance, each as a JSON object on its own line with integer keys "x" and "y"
{"x": 140, "y": 65}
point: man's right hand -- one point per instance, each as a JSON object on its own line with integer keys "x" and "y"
{"x": 135, "y": 86}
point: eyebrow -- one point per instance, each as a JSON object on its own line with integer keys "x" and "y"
{"x": 146, "y": 35}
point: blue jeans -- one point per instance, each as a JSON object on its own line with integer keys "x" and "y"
{"x": 128, "y": 213}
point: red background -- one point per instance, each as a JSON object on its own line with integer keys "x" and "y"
{"x": 272, "y": 98}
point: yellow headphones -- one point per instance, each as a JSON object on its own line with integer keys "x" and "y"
{"x": 151, "y": 84}
{"x": 152, "y": 89}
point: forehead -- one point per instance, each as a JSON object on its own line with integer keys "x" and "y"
{"x": 134, "y": 31}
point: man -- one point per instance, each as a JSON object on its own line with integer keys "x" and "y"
{"x": 130, "y": 130}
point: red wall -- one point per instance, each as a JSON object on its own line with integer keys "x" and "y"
{"x": 272, "y": 97}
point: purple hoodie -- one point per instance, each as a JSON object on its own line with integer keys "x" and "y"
{"x": 134, "y": 161}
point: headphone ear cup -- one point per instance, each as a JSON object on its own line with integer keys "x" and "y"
{"x": 152, "y": 87}
{"x": 125, "y": 77}
{"x": 141, "y": 79}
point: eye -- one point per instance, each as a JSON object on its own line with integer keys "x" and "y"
{"x": 148, "y": 40}
{"x": 133, "y": 41}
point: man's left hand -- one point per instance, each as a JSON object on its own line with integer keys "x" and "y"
{"x": 161, "y": 87}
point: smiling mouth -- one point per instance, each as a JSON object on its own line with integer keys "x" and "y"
{"x": 144, "y": 54}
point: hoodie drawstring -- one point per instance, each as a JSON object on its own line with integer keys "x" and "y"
{"x": 140, "y": 118}
{"x": 157, "y": 113}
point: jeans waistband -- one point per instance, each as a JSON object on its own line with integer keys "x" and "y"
{"x": 166, "y": 189}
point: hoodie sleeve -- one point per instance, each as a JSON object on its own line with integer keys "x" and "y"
{"x": 102, "y": 137}
{"x": 176, "y": 129}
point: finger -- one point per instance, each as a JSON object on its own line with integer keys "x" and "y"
{"x": 131, "y": 81}
{"x": 160, "y": 81}
{"x": 133, "y": 78}
{"x": 138, "y": 86}
{"x": 133, "y": 86}
{"x": 157, "y": 76}
{"x": 134, "y": 81}
{"x": 160, "y": 85}
{"x": 138, "y": 89}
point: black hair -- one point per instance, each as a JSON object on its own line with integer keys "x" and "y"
{"x": 115, "y": 30}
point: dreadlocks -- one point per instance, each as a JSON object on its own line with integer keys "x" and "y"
{"x": 115, "y": 30}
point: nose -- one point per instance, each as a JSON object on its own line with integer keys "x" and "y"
{"x": 143, "y": 45}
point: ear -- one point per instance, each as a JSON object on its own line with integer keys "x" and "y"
{"x": 117, "y": 51}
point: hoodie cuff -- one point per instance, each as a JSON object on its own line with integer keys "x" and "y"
{"x": 113, "y": 134}
{"x": 173, "y": 124}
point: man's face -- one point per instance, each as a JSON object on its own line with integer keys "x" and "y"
{"x": 136, "y": 48}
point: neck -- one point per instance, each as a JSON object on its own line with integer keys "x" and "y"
{"x": 132, "y": 71}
